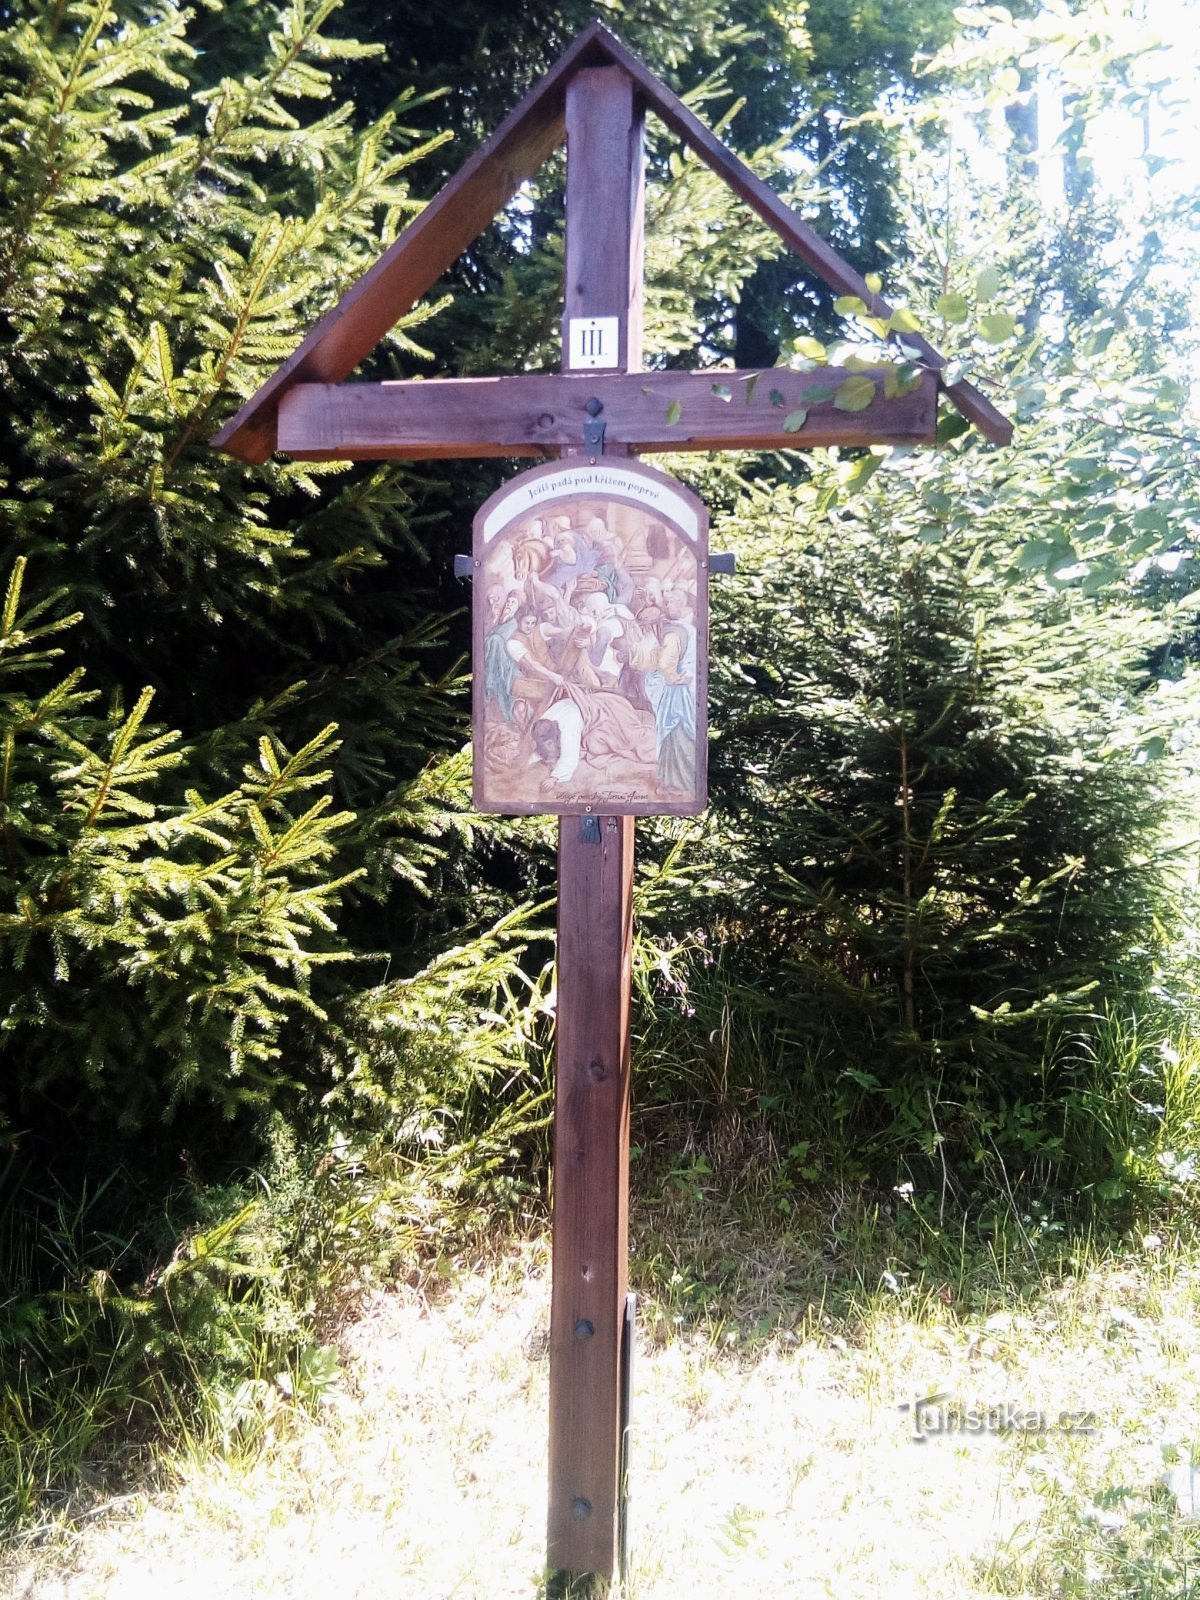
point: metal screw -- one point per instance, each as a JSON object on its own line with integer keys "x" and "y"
{"x": 581, "y": 1509}
{"x": 594, "y": 407}
{"x": 584, "y": 1329}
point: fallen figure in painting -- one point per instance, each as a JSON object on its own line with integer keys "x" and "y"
{"x": 595, "y": 725}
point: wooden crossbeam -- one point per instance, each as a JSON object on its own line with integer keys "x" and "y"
{"x": 797, "y": 234}
{"x": 541, "y": 414}
{"x": 413, "y": 263}
{"x": 483, "y": 186}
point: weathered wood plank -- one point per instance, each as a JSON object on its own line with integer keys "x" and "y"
{"x": 797, "y": 234}
{"x": 591, "y": 1187}
{"x": 605, "y": 179}
{"x": 595, "y": 945}
{"x": 415, "y": 260}
{"x": 541, "y": 414}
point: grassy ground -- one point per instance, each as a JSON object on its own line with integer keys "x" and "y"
{"x": 772, "y": 1454}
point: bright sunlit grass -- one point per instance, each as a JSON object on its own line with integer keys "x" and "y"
{"x": 771, "y": 1455}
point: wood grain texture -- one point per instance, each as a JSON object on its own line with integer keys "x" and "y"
{"x": 797, "y": 234}
{"x": 466, "y": 205}
{"x": 595, "y": 944}
{"x": 591, "y": 1189}
{"x": 414, "y": 262}
{"x": 544, "y": 414}
{"x": 605, "y": 181}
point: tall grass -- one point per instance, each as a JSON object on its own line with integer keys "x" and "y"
{"x": 1131, "y": 1109}
{"x": 209, "y": 1309}
{"x": 1104, "y": 1118}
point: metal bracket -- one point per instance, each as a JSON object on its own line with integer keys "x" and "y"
{"x": 722, "y": 561}
{"x": 464, "y": 567}
{"x": 589, "y": 830}
{"x": 593, "y": 428}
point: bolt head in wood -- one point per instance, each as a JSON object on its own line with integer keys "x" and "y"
{"x": 584, "y": 1329}
{"x": 581, "y": 1509}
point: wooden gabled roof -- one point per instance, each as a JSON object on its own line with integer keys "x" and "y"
{"x": 481, "y": 188}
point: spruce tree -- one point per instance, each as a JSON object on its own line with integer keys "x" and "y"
{"x": 240, "y": 927}
{"x": 230, "y": 720}
{"x": 942, "y": 846}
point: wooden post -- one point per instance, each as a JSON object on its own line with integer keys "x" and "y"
{"x": 591, "y": 1183}
{"x": 595, "y": 933}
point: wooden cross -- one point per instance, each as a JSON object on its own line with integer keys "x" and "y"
{"x": 596, "y": 96}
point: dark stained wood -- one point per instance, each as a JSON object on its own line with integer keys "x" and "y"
{"x": 465, "y": 206}
{"x": 414, "y": 262}
{"x": 591, "y": 1187}
{"x": 537, "y": 415}
{"x": 802, "y": 239}
{"x": 605, "y": 179}
{"x": 595, "y": 944}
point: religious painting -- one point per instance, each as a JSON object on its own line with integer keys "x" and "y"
{"x": 591, "y": 643}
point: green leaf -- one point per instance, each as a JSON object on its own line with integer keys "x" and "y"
{"x": 902, "y": 321}
{"x": 997, "y": 326}
{"x": 865, "y": 1080}
{"x": 855, "y": 394}
{"x": 674, "y": 412}
{"x": 751, "y": 385}
{"x": 819, "y": 395}
{"x": 1151, "y": 520}
{"x": 987, "y": 284}
{"x": 1100, "y": 340}
{"x": 850, "y": 305}
{"x": 794, "y": 421}
{"x": 162, "y": 358}
{"x": 723, "y": 392}
{"x": 874, "y": 282}
{"x": 1098, "y": 579}
{"x": 952, "y": 307}
{"x": 861, "y": 472}
{"x": 811, "y": 349}
{"x": 901, "y": 380}
{"x": 951, "y": 425}
{"x": 1038, "y": 554}
{"x": 777, "y": 397}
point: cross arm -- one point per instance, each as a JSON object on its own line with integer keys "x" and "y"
{"x": 800, "y": 238}
{"x": 414, "y": 261}
{"x": 540, "y": 414}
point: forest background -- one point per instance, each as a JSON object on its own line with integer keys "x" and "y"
{"x": 276, "y": 1007}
